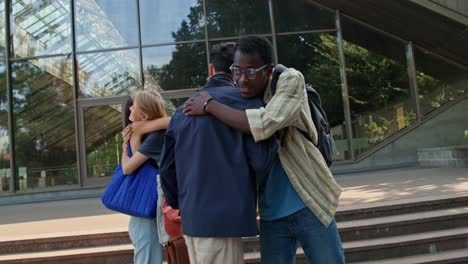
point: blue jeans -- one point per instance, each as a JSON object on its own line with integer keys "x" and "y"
{"x": 278, "y": 239}
{"x": 144, "y": 235}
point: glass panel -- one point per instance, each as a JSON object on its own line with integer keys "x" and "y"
{"x": 234, "y": 18}
{"x": 2, "y": 24}
{"x": 170, "y": 21}
{"x": 40, "y": 27}
{"x": 175, "y": 66}
{"x": 5, "y": 172}
{"x": 316, "y": 56}
{"x": 379, "y": 95}
{"x": 172, "y": 105}
{"x": 43, "y": 104}
{"x": 301, "y": 15}
{"x": 103, "y": 24}
{"x": 103, "y": 125}
{"x": 439, "y": 82}
{"x": 108, "y": 73}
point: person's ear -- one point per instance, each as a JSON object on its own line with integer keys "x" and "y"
{"x": 210, "y": 69}
{"x": 270, "y": 68}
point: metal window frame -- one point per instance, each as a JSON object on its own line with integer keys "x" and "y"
{"x": 344, "y": 87}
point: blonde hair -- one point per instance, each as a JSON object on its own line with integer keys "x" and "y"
{"x": 150, "y": 103}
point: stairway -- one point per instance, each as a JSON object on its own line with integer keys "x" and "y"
{"x": 412, "y": 231}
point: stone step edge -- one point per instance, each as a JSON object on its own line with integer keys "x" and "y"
{"x": 64, "y": 254}
{"x": 435, "y": 258}
{"x": 64, "y": 238}
{"x": 405, "y": 240}
{"x": 401, "y": 203}
{"x": 439, "y": 257}
{"x": 62, "y": 235}
{"x": 403, "y": 219}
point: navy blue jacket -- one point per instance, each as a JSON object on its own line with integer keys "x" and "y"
{"x": 208, "y": 169}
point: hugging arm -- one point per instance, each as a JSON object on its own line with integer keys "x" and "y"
{"x": 132, "y": 162}
{"x": 232, "y": 117}
{"x": 282, "y": 110}
{"x": 141, "y": 128}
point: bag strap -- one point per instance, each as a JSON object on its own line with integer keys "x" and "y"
{"x": 279, "y": 68}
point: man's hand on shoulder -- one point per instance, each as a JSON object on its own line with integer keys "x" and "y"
{"x": 197, "y": 105}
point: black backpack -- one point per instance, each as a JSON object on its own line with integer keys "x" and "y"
{"x": 326, "y": 144}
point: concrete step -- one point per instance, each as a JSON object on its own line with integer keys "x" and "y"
{"x": 452, "y": 256}
{"x": 116, "y": 254}
{"x": 412, "y": 205}
{"x": 407, "y": 245}
{"x": 403, "y": 224}
{"x": 59, "y": 241}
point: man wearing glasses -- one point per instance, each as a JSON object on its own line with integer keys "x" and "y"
{"x": 299, "y": 197}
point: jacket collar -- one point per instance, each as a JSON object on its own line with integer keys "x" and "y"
{"x": 220, "y": 79}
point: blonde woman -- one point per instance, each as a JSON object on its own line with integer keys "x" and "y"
{"x": 145, "y": 105}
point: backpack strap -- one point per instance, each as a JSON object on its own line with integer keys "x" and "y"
{"x": 279, "y": 68}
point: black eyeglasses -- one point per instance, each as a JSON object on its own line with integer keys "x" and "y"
{"x": 250, "y": 73}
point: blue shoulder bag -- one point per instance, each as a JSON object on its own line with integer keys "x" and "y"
{"x": 134, "y": 194}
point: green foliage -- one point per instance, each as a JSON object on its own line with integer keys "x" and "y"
{"x": 377, "y": 130}
{"x": 410, "y": 117}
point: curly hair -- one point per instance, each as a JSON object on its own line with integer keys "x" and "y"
{"x": 253, "y": 44}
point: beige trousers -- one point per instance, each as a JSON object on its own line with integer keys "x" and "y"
{"x": 215, "y": 250}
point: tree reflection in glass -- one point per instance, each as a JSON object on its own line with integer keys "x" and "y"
{"x": 316, "y": 56}
{"x": 170, "y": 21}
{"x": 43, "y": 104}
{"x": 175, "y": 67}
{"x": 5, "y": 172}
{"x": 103, "y": 125}
{"x": 379, "y": 95}
{"x": 439, "y": 82}
{"x": 234, "y": 18}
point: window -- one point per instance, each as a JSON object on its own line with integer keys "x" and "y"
{"x": 316, "y": 56}
{"x": 379, "y": 95}
{"x": 45, "y": 149}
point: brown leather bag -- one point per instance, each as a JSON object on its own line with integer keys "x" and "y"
{"x": 176, "y": 251}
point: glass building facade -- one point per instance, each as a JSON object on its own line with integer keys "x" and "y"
{"x": 68, "y": 66}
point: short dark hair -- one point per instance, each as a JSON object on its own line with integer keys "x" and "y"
{"x": 222, "y": 56}
{"x": 253, "y": 44}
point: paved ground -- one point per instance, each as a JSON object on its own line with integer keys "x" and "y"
{"x": 89, "y": 215}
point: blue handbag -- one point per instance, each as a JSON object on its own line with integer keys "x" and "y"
{"x": 134, "y": 194}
